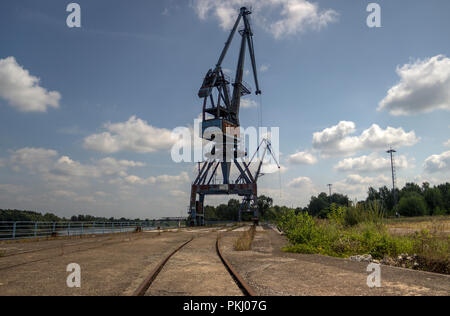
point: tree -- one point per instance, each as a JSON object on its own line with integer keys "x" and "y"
{"x": 412, "y": 204}
{"x": 373, "y": 195}
{"x": 386, "y": 198}
{"x": 433, "y": 198}
{"x": 317, "y": 204}
{"x": 410, "y": 188}
{"x": 264, "y": 203}
{"x": 340, "y": 199}
{"x": 445, "y": 192}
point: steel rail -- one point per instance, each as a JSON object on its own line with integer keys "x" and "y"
{"x": 243, "y": 286}
{"x": 142, "y": 289}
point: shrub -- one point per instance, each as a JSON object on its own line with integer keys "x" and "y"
{"x": 412, "y": 205}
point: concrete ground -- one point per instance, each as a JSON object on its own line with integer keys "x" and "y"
{"x": 118, "y": 264}
{"x": 269, "y": 271}
{"x": 196, "y": 270}
{"x": 113, "y": 265}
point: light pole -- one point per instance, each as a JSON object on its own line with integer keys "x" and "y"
{"x": 394, "y": 193}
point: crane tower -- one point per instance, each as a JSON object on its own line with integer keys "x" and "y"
{"x": 220, "y": 119}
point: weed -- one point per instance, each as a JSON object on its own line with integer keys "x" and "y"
{"x": 244, "y": 242}
{"x": 357, "y": 231}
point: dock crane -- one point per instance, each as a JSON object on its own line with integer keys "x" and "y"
{"x": 221, "y": 112}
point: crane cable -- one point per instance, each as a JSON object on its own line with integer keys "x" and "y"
{"x": 260, "y": 119}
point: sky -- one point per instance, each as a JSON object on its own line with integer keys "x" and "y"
{"x": 86, "y": 114}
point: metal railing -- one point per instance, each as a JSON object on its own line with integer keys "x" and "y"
{"x": 24, "y": 230}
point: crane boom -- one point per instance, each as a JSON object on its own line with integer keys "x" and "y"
{"x": 216, "y": 79}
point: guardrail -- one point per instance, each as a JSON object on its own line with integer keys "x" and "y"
{"x": 24, "y": 230}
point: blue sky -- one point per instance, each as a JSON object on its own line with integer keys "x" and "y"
{"x": 91, "y": 135}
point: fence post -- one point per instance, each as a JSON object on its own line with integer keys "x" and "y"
{"x": 82, "y": 229}
{"x": 35, "y": 229}
{"x": 14, "y": 230}
{"x": 69, "y": 229}
{"x": 104, "y": 224}
{"x": 54, "y": 228}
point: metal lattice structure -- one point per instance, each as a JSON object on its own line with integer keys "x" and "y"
{"x": 221, "y": 112}
{"x": 391, "y": 152}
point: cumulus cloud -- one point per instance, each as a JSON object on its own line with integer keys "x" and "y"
{"x": 371, "y": 163}
{"x": 438, "y": 163}
{"x": 446, "y": 144}
{"x": 278, "y": 17}
{"x": 11, "y": 188}
{"x": 299, "y": 183}
{"x": 302, "y": 158}
{"x": 337, "y": 140}
{"x": 135, "y": 135}
{"x": 424, "y": 87}
{"x": 159, "y": 180}
{"x": 356, "y": 185}
{"x": 62, "y": 169}
{"x": 22, "y": 90}
{"x": 248, "y": 103}
{"x": 264, "y": 68}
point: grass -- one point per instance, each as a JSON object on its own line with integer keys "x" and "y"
{"x": 2, "y": 253}
{"x": 438, "y": 225}
{"x": 244, "y": 242}
{"x": 352, "y": 231}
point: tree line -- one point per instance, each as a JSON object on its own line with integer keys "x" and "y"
{"x": 411, "y": 200}
{"x": 30, "y": 216}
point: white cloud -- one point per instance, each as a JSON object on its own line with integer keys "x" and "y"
{"x": 37, "y": 160}
{"x": 63, "y": 194}
{"x": 248, "y": 103}
{"x": 302, "y": 158}
{"x": 337, "y": 141}
{"x": 11, "y": 188}
{"x": 22, "y": 90}
{"x": 438, "y": 163}
{"x": 264, "y": 68}
{"x": 424, "y": 87}
{"x": 135, "y": 135}
{"x": 371, "y": 163}
{"x": 62, "y": 169}
{"x": 278, "y": 17}
{"x": 159, "y": 180}
{"x": 357, "y": 186}
{"x": 446, "y": 144}
{"x": 302, "y": 182}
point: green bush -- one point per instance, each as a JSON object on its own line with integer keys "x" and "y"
{"x": 412, "y": 205}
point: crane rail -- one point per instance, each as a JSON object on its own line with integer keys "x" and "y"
{"x": 240, "y": 282}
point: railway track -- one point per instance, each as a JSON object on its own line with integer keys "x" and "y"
{"x": 245, "y": 289}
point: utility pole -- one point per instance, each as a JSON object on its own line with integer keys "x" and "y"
{"x": 394, "y": 193}
{"x": 330, "y": 186}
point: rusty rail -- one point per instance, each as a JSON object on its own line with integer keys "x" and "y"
{"x": 148, "y": 282}
{"x": 245, "y": 288}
